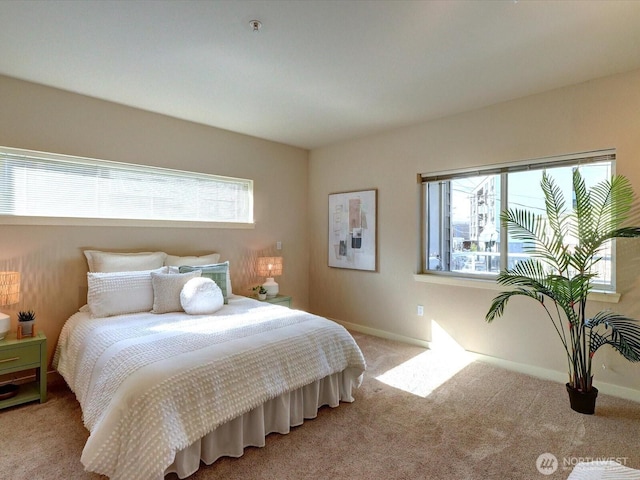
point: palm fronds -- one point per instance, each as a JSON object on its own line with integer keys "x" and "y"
{"x": 621, "y": 332}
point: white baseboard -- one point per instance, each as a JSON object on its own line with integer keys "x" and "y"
{"x": 539, "y": 372}
{"x": 555, "y": 376}
{"x": 383, "y": 334}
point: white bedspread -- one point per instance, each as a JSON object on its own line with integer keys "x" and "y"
{"x": 150, "y": 385}
{"x": 603, "y": 470}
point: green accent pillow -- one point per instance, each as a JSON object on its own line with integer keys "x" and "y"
{"x": 217, "y": 272}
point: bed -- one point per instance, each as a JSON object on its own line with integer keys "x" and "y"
{"x": 603, "y": 470}
{"x": 162, "y": 391}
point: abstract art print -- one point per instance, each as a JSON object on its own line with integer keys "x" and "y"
{"x": 353, "y": 229}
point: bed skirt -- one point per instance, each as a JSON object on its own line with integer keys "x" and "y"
{"x": 277, "y": 415}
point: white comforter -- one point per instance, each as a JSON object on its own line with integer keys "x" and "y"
{"x": 150, "y": 385}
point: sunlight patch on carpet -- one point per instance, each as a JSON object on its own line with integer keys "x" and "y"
{"x": 425, "y": 372}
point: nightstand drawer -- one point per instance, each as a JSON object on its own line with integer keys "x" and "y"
{"x": 19, "y": 356}
{"x": 283, "y": 300}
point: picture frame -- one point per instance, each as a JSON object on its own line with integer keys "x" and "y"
{"x": 353, "y": 230}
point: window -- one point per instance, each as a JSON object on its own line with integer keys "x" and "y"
{"x": 462, "y": 235}
{"x": 36, "y": 184}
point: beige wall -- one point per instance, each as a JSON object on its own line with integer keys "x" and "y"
{"x": 50, "y": 258}
{"x": 291, "y": 188}
{"x": 595, "y": 115}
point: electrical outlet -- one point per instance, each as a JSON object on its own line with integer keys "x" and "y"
{"x": 420, "y": 310}
{"x": 278, "y": 245}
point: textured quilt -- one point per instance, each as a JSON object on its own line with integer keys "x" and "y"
{"x": 150, "y": 385}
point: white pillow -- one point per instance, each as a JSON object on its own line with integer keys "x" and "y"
{"x": 201, "y": 296}
{"x": 123, "y": 262}
{"x": 218, "y": 272}
{"x": 118, "y": 293}
{"x": 175, "y": 261}
{"x": 167, "y": 288}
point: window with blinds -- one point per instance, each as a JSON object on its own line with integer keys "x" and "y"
{"x": 46, "y": 185}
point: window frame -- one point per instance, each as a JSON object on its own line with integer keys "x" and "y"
{"x": 607, "y": 291}
{"x": 59, "y": 161}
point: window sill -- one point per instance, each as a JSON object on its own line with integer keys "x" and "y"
{"x": 114, "y": 222}
{"x": 490, "y": 284}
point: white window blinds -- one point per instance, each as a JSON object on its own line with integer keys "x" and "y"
{"x": 37, "y": 184}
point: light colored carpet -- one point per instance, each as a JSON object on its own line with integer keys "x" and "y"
{"x": 482, "y": 423}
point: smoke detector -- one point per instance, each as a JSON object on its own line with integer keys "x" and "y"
{"x": 255, "y": 25}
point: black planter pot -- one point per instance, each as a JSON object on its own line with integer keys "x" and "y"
{"x": 582, "y": 402}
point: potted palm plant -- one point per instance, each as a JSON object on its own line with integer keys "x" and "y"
{"x": 560, "y": 276}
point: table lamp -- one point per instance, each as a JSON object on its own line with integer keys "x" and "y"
{"x": 270, "y": 267}
{"x": 9, "y": 294}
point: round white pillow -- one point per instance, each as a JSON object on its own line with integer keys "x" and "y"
{"x": 201, "y": 296}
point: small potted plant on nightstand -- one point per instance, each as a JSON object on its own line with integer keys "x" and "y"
{"x": 260, "y": 291}
{"x": 26, "y": 323}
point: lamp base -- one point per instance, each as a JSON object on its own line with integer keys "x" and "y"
{"x": 5, "y": 325}
{"x": 271, "y": 287}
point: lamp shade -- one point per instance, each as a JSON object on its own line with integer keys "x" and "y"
{"x": 9, "y": 288}
{"x": 9, "y": 294}
{"x": 269, "y": 266}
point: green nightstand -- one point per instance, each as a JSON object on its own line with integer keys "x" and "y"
{"x": 283, "y": 300}
{"x": 24, "y": 354}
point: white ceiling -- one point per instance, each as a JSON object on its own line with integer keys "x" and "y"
{"x": 318, "y": 72}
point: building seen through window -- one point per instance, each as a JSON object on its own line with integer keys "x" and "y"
{"x": 462, "y": 232}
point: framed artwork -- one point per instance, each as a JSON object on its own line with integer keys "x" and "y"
{"x": 353, "y": 227}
